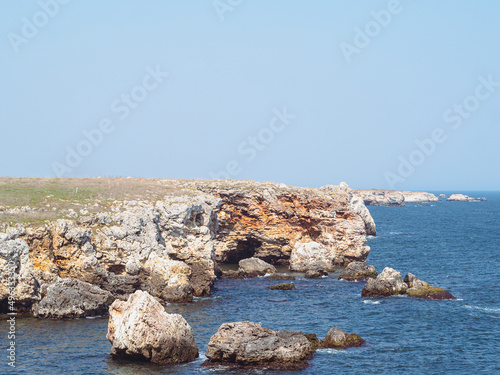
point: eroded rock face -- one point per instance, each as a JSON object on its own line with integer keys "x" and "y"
{"x": 165, "y": 248}
{"x": 338, "y": 339}
{"x": 71, "y": 298}
{"x": 388, "y": 283}
{"x": 250, "y": 344}
{"x": 139, "y": 328}
{"x": 420, "y": 289}
{"x": 266, "y": 220}
{"x": 310, "y": 256}
{"x": 252, "y": 267}
{"x": 358, "y": 271}
{"x": 16, "y": 274}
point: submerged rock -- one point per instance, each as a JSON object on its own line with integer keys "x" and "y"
{"x": 280, "y": 276}
{"x": 418, "y": 288}
{"x": 250, "y": 344}
{"x": 255, "y": 267}
{"x": 310, "y": 256}
{"x": 285, "y": 286}
{"x": 388, "y": 283}
{"x": 315, "y": 274}
{"x": 338, "y": 339}
{"x": 72, "y": 298}
{"x": 140, "y": 328}
{"x": 358, "y": 271}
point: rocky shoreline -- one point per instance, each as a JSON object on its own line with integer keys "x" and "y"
{"x": 132, "y": 258}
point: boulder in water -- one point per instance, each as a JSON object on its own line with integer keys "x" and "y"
{"x": 140, "y": 328}
{"x": 255, "y": 267}
{"x": 250, "y": 344}
{"x": 338, "y": 339}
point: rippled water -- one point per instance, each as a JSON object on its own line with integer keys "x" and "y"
{"x": 453, "y": 245}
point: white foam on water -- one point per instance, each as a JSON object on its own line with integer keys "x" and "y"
{"x": 489, "y": 310}
{"x": 331, "y": 351}
{"x": 369, "y": 302}
{"x": 93, "y": 317}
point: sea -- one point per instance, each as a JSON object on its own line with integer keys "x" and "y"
{"x": 453, "y": 245}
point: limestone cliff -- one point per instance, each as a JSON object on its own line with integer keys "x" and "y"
{"x": 170, "y": 246}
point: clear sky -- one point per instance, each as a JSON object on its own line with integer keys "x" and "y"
{"x": 379, "y": 94}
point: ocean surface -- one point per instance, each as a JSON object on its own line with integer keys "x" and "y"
{"x": 454, "y": 245}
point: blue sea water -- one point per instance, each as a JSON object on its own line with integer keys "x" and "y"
{"x": 454, "y": 245}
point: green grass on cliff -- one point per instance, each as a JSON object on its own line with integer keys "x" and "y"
{"x": 51, "y": 198}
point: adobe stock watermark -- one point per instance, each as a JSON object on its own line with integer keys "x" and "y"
{"x": 121, "y": 108}
{"x": 453, "y": 116}
{"x": 363, "y": 36}
{"x": 252, "y": 145}
{"x": 32, "y": 25}
{"x": 223, "y": 6}
{"x": 11, "y": 306}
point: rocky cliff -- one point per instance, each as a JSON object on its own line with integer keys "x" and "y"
{"x": 170, "y": 244}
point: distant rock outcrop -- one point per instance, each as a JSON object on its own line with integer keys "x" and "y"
{"x": 463, "y": 198}
{"x": 141, "y": 329}
{"x": 250, "y": 344}
{"x": 387, "y": 283}
{"x": 381, "y": 197}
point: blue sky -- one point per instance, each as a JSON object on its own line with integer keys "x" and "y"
{"x": 306, "y": 93}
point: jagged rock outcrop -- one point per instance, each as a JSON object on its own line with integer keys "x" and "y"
{"x": 252, "y": 267}
{"x": 359, "y": 208}
{"x": 387, "y": 283}
{"x": 16, "y": 274}
{"x": 339, "y": 339}
{"x": 250, "y": 344}
{"x": 358, "y": 271}
{"x": 463, "y": 198}
{"x": 418, "y": 288}
{"x": 141, "y": 329}
{"x": 72, "y": 298}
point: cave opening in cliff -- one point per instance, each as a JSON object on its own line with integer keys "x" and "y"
{"x": 244, "y": 249}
